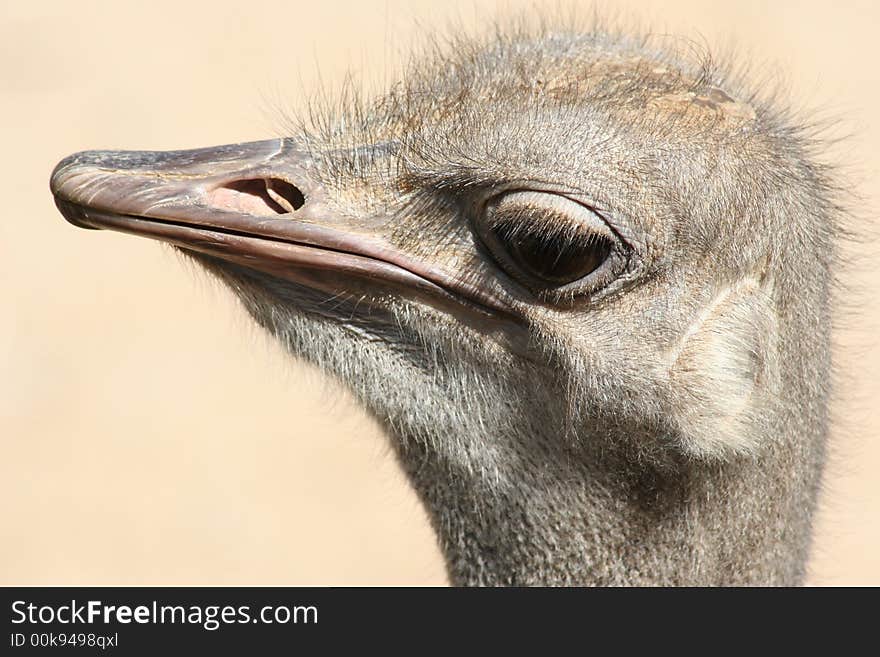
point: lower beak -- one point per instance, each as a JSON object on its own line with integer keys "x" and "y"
{"x": 257, "y": 204}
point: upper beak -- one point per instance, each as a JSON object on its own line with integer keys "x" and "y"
{"x": 257, "y": 204}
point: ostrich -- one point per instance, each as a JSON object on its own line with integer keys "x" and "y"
{"x": 583, "y": 281}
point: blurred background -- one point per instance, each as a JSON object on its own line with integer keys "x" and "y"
{"x": 151, "y": 435}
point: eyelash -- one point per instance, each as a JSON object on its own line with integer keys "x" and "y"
{"x": 545, "y": 231}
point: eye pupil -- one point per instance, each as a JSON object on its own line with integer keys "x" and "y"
{"x": 557, "y": 260}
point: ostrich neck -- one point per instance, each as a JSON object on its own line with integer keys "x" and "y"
{"x": 604, "y": 521}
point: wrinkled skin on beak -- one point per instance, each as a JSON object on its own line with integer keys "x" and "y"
{"x": 261, "y": 206}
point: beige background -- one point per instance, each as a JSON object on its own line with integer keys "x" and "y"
{"x": 149, "y": 434}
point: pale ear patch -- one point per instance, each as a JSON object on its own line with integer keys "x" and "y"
{"x": 724, "y": 374}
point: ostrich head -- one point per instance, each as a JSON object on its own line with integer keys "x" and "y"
{"x": 582, "y": 282}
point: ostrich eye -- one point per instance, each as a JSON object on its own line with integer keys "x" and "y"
{"x": 544, "y": 240}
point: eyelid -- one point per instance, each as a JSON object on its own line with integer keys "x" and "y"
{"x": 580, "y": 216}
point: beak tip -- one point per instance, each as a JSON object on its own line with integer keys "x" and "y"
{"x": 65, "y": 170}
{"x": 59, "y": 185}
{"x": 57, "y": 177}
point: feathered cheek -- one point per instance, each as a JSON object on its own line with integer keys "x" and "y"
{"x": 725, "y": 377}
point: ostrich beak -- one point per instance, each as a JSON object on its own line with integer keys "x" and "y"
{"x": 256, "y": 204}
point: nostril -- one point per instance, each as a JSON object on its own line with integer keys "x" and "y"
{"x": 285, "y": 194}
{"x": 260, "y": 196}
